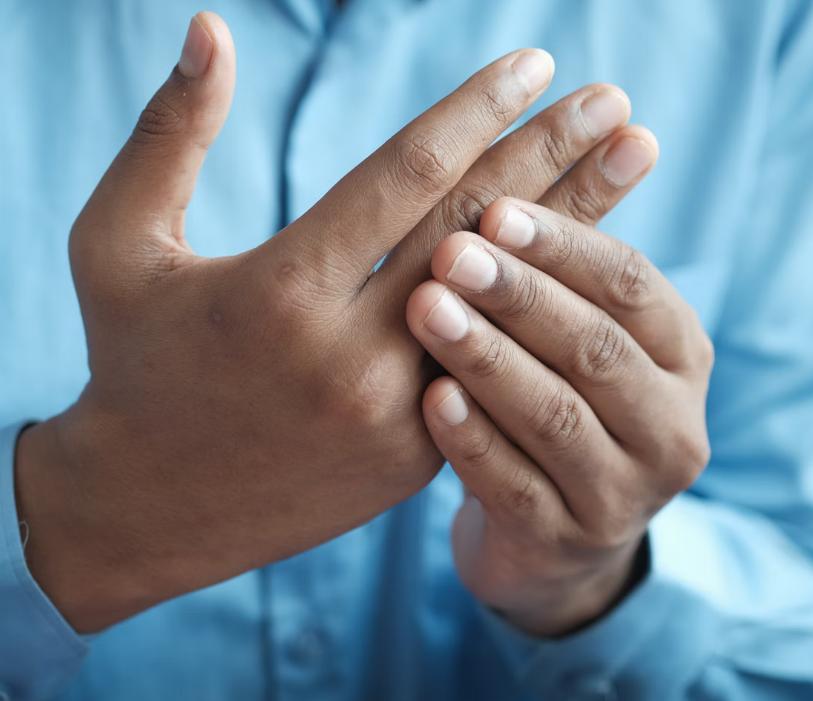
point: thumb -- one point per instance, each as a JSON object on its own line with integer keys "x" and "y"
{"x": 152, "y": 178}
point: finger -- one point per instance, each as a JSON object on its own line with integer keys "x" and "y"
{"x": 611, "y": 274}
{"x": 369, "y": 210}
{"x": 507, "y": 482}
{"x": 604, "y": 176}
{"x": 152, "y": 178}
{"x": 523, "y": 164}
{"x": 564, "y": 331}
{"x": 533, "y": 406}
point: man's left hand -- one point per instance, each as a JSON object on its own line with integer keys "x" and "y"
{"x": 574, "y": 409}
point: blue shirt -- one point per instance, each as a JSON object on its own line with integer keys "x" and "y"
{"x": 726, "y": 609}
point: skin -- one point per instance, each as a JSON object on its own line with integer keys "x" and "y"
{"x": 574, "y": 408}
{"x": 244, "y": 409}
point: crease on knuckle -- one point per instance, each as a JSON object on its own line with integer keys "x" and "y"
{"x": 423, "y": 161}
{"x": 518, "y": 495}
{"x": 159, "y": 118}
{"x": 556, "y": 419}
{"x": 492, "y": 360}
{"x": 553, "y": 150}
{"x": 565, "y": 245}
{"x": 365, "y": 392}
{"x": 629, "y": 287}
{"x": 604, "y": 351}
{"x": 478, "y": 450}
{"x": 526, "y": 296}
{"x": 296, "y": 302}
{"x": 464, "y": 207}
{"x": 497, "y": 105}
{"x": 584, "y": 204}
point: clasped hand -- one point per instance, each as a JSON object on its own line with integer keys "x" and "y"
{"x": 244, "y": 409}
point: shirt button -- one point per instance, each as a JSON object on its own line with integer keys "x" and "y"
{"x": 595, "y": 689}
{"x": 308, "y": 647}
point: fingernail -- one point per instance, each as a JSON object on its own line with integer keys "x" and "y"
{"x": 473, "y": 269}
{"x": 516, "y": 229}
{"x": 604, "y": 111}
{"x": 535, "y": 69}
{"x": 447, "y": 319}
{"x": 197, "y": 51}
{"x": 626, "y": 161}
{"x": 453, "y": 410}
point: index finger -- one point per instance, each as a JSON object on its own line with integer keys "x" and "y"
{"x": 375, "y": 205}
{"x": 604, "y": 270}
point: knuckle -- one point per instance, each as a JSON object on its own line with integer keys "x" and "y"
{"x": 696, "y": 449}
{"x": 584, "y": 204}
{"x": 705, "y": 352}
{"x": 629, "y": 286}
{"x": 368, "y": 393}
{"x": 492, "y": 359}
{"x": 518, "y": 494}
{"x": 424, "y": 160}
{"x": 554, "y": 149}
{"x": 464, "y": 207}
{"x": 159, "y": 118}
{"x": 497, "y": 106}
{"x": 614, "y": 529}
{"x": 524, "y": 298}
{"x": 602, "y": 353}
{"x": 478, "y": 450}
{"x": 691, "y": 452}
{"x": 564, "y": 245}
{"x": 557, "y": 419}
{"x": 290, "y": 295}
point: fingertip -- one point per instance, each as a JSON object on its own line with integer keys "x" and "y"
{"x": 630, "y": 155}
{"x": 534, "y": 67}
{"x": 509, "y": 223}
{"x": 196, "y": 54}
{"x": 423, "y": 298}
{"x": 493, "y": 215}
{"x": 640, "y": 132}
{"x": 214, "y": 25}
{"x": 444, "y": 400}
{"x": 223, "y": 57}
{"x": 446, "y": 252}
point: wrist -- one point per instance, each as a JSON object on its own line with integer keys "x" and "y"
{"x": 570, "y": 605}
{"x": 77, "y": 556}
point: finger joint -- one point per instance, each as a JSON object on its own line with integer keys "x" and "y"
{"x": 423, "y": 161}
{"x": 557, "y": 419}
{"x": 493, "y": 360}
{"x": 602, "y": 353}
{"x": 629, "y": 287}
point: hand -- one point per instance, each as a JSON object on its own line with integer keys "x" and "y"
{"x": 575, "y": 407}
{"x": 244, "y": 409}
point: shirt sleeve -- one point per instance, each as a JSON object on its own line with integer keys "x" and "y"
{"x": 726, "y": 609}
{"x": 39, "y": 651}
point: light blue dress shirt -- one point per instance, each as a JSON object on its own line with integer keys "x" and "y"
{"x": 726, "y": 610}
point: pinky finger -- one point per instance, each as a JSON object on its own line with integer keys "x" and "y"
{"x": 511, "y": 487}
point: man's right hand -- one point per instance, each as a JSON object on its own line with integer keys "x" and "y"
{"x": 244, "y": 409}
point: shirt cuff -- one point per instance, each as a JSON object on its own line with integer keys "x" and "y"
{"x": 653, "y": 644}
{"x": 39, "y": 650}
